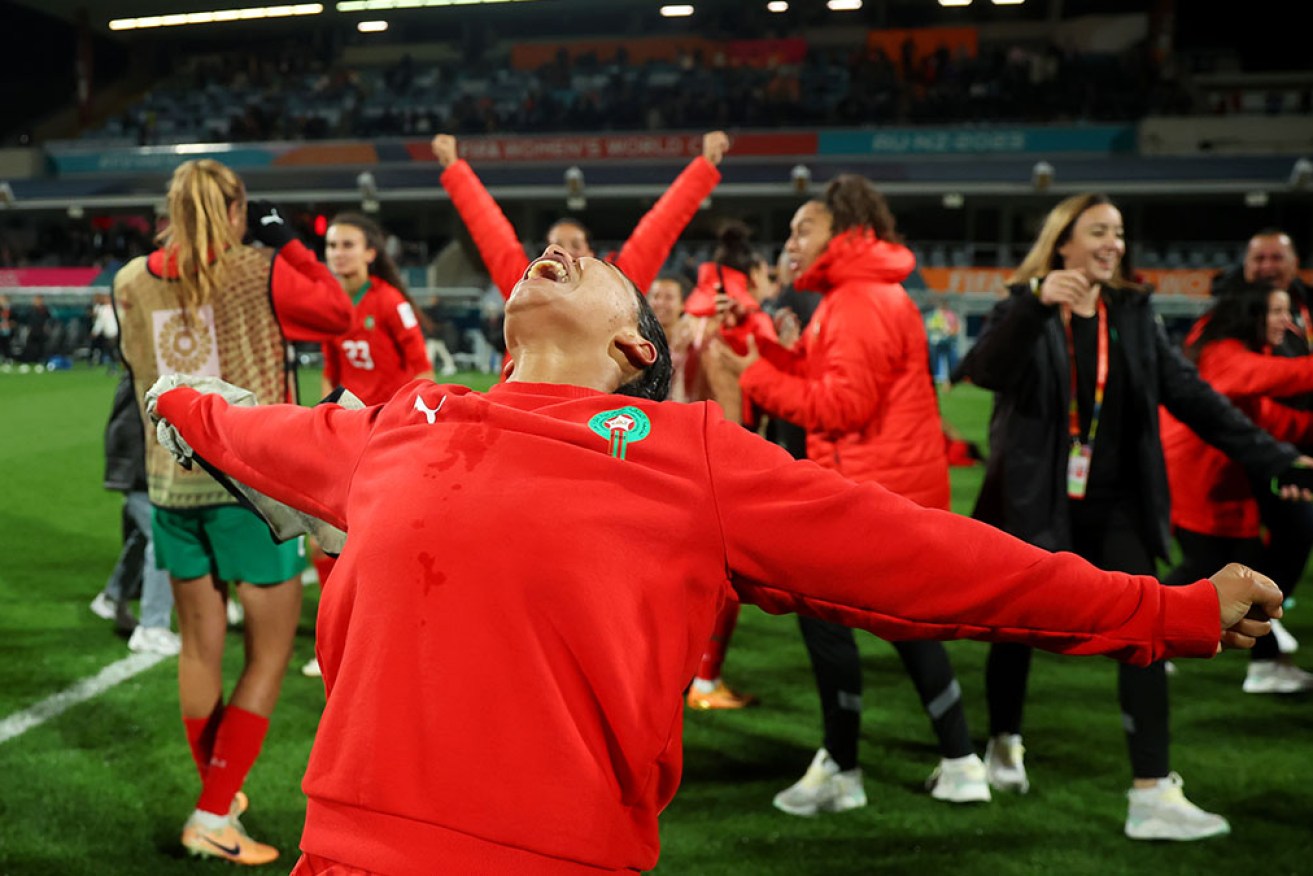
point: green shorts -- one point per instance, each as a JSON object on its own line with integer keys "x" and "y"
{"x": 229, "y": 542}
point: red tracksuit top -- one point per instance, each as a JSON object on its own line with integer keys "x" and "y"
{"x": 1211, "y": 494}
{"x": 859, "y": 379}
{"x": 529, "y": 580}
{"x": 384, "y": 349}
{"x": 641, "y": 257}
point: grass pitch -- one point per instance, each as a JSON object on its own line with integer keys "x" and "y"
{"x": 104, "y": 788}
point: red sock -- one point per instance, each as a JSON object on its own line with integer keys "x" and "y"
{"x": 236, "y": 746}
{"x": 323, "y": 566}
{"x": 200, "y": 736}
{"x": 714, "y": 657}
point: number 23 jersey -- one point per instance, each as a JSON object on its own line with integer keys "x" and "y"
{"x": 383, "y": 351}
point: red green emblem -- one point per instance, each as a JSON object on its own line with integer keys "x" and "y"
{"x": 621, "y": 427}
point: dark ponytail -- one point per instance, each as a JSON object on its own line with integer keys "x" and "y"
{"x": 854, "y": 203}
{"x": 733, "y": 249}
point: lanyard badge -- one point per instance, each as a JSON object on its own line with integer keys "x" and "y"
{"x": 1082, "y": 451}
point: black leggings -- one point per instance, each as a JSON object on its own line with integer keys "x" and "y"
{"x": 838, "y": 667}
{"x": 1112, "y": 539}
{"x": 1204, "y": 555}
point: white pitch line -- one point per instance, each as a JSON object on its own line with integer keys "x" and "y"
{"x": 56, "y": 704}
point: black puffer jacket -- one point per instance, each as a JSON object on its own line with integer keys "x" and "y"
{"x": 125, "y": 447}
{"x": 1022, "y": 356}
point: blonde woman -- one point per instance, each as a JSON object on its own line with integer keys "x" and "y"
{"x": 1079, "y": 365}
{"x": 205, "y": 304}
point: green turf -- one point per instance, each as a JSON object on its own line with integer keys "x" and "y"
{"x": 104, "y": 788}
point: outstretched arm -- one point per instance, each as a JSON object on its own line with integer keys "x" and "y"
{"x": 857, "y": 554}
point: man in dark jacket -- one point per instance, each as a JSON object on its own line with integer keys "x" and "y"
{"x": 125, "y": 471}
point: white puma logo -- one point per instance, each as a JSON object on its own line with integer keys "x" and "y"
{"x": 271, "y": 219}
{"x": 431, "y": 413}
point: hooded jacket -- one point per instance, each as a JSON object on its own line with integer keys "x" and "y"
{"x": 859, "y": 379}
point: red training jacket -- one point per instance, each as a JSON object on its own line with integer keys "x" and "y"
{"x": 642, "y": 256}
{"x": 1211, "y": 494}
{"x": 859, "y": 380}
{"x": 509, "y": 633}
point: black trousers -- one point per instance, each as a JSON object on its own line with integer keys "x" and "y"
{"x": 1109, "y": 535}
{"x": 1203, "y": 555}
{"x": 837, "y": 666}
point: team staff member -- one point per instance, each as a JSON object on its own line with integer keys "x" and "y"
{"x": 204, "y": 304}
{"x": 1214, "y": 510}
{"x": 528, "y": 570}
{"x": 640, "y": 258}
{"x": 860, "y": 385}
{"x": 384, "y": 349}
{"x": 1079, "y": 364}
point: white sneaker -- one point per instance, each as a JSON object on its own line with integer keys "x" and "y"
{"x": 104, "y": 606}
{"x": 311, "y": 669}
{"x": 1163, "y": 813}
{"x": 235, "y": 612}
{"x": 959, "y": 780}
{"x": 823, "y": 788}
{"x": 1275, "y": 677}
{"x": 1286, "y": 642}
{"x": 1005, "y": 763}
{"x": 154, "y": 640}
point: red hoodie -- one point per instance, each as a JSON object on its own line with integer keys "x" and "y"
{"x": 1211, "y": 494}
{"x": 859, "y": 380}
{"x": 641, "y": 257}
{"x": 509, "y": 631}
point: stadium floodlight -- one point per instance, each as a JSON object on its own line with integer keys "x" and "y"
{"x": 777, "y": 6}
{"x": 1041, "y": 176}
{"x": 378, "y": 5}
{"x": 247, "y": 13}
{"x": 574, "y": 189}
{"x": 372, "y": 26}
{"x": 843, "y": 5}
{"x": 677, "y": 10}
{"x": 1008, "y": 2}
{"x": 953, "y": 200}
{"x": 1256, "y": 198}
{"x": 954, "y": 2}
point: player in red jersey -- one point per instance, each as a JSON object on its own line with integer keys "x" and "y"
{"x": 507, "y": 639}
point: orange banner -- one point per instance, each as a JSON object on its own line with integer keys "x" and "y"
{"x": 925, "y": 40}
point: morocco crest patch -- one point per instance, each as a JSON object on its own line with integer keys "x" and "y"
{"x": 621, "y": 428}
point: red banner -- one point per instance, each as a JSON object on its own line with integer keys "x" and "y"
{"x": 766, "y": 53}
{"x": 14, "y": 277}
{"x": 990, "y": 281}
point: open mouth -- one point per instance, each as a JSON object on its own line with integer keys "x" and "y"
{"x": 551, "y": 267}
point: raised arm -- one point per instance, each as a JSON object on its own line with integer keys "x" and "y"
{"x": 493, "y": 234}
{"x": 309, "y": 302}
{"x": 649, "y": 245}
{"x": 802, "y": 539}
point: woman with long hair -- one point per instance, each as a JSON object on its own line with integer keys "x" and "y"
{"x": 860, "y": 384}
{"x": 384, "y": 348}
{"x": 1215, "y": 512}
{"x": 1079, "y": 364}
{"x": 206, "y": 304}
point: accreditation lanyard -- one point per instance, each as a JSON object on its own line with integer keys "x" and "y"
{"x": 1078, "y": 460}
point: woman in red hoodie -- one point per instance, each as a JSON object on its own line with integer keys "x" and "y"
{"x": 860, "y": 384}
{"x": 1214, "y": 510}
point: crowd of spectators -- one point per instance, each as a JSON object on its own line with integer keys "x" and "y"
{"x": 299, "y": 96}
